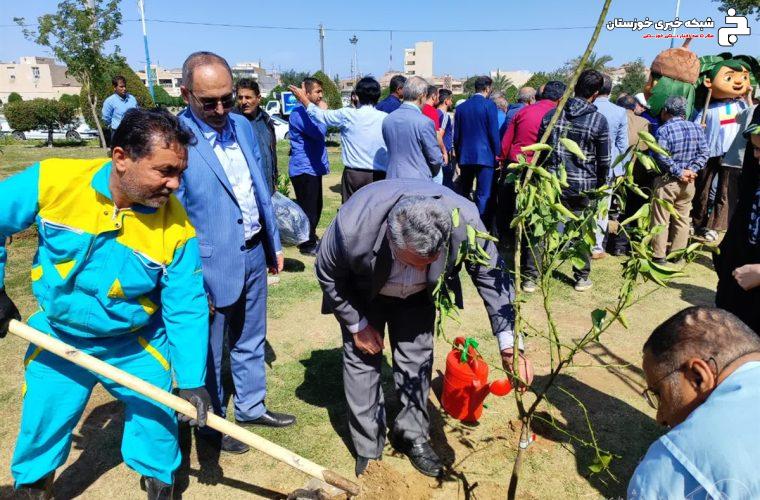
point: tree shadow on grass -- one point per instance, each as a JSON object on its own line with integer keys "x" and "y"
{"x": 694, "y": 294}
{"x": 335, "y": 188}
{"x": 619, "y": 428}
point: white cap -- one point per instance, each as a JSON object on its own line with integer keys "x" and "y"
{"x": 641, "y": 99}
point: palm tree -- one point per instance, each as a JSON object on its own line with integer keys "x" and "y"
{"x": 593, "y": 62}
{"x": 501, "y": 83}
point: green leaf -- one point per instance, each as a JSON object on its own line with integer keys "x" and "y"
{"x": 578, "y": 262}
{"x": 646, "y": 136}
{"x": 573, "y": 147}
{"x": 647, "y": 161}
{"x": 641, "y": 213}
{"x": 597, "y": 318}
{"x": 455, "y": 217}
{"x": 562, "y": 209}
{"x": 537, "y": 147}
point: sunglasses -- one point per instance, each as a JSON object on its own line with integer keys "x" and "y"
{"x": 210, "y": 103}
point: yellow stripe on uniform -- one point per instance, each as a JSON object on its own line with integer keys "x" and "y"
{"x": 31, "y": 357}
{"x": 147, "y": 304}
{"x": 36, "y": 273}
{"x": 116, "y": 292}
{"x": 64, "y": 268}
{"x": 153, "y": 352}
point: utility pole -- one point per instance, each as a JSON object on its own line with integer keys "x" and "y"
{"x": 322, "y": 47}
{"x": 390, "y": 54}
{"x": 148, "y": 75}
{"x": 678, "y": 7}
{"x": 355, "y": 66}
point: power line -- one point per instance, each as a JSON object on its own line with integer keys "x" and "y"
{"x": 366, "y": 30}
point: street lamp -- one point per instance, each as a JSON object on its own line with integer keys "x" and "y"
{"x": 355, "y": 63}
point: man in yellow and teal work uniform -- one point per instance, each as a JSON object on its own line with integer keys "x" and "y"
{"x": 117, "y": 275}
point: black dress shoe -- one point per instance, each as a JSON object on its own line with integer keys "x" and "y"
{"x": 42, "y": 489}
{"x": 422, "y": 456}
{"x": 311, "y": 250}
{"x": 156, "y": 489}
{"x": 271, "y": 419}
{"x": 232, "y": 445}
{"x": 362, "y": 463}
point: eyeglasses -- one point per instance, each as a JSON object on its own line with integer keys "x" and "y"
{"x": 210, "y": 103}
{"x": 652, "y": 396}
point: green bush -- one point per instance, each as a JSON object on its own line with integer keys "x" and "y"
{"x": 72, "y": 99}
{"x": 14, "y": 97}
{"x": 104, "y": 88}
{"x": 331, "y": 92}
{"x": 164, "y": 99}
{"x": 40, "y": 114}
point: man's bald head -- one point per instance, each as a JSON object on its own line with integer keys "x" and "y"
{"x": 700, "y": 332}
{"x": 201, "y": 58}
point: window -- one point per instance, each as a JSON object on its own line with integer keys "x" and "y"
{"x": 36, "y": 72}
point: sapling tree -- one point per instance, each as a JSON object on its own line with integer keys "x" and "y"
{"x": 556, "y": 237}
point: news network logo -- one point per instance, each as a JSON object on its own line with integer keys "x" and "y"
{"x": 737, "y": 26}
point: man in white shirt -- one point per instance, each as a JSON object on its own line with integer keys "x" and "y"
{"x": 365, "y": 156}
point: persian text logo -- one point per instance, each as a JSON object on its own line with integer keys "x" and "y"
{"x": 737, "y": 25}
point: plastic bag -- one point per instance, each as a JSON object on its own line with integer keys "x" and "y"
{"x": 291, "y": 220}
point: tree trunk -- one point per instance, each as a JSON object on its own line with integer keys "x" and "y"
{"x": 50, "y": 137}
{"x": 92, "y": 100}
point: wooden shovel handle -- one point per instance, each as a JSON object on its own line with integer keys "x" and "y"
{"x": 178, "y": 404}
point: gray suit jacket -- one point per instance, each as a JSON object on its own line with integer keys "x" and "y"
{"x": 354, "y": 259}
{"x": 413, "y": 150}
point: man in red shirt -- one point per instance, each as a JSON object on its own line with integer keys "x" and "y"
{"x": 522, "y": 131}
{"x": 429, "y": 110}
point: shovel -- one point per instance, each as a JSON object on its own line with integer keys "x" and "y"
{"x": 178, "y": 404}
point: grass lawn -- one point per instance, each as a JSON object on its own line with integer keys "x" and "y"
{"x": 304, "y": 378}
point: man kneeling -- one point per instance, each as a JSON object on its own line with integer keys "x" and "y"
{"x": 117, "y": 275}
{"x": 702, "y": 370}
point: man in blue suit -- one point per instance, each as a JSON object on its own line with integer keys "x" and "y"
{"x": 477, "y": 143}
{"x": 228, "y": 201}
{"x": 413, "y": 150}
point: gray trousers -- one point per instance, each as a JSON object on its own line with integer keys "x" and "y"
{"x": 410, "y": 324}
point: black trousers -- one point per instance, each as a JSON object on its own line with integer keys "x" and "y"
{"x": 308, "y": 189}
{"x": 618, "y": 243}
{"x": 576, "y": 204}
{"x": 354, "y": 179}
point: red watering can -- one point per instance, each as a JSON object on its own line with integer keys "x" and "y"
{"x": 465, "y": 382}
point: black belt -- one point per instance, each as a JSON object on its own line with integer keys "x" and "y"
{"x": 255, "y": 240}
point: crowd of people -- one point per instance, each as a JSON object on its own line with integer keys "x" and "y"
{"x": 156, "y": 260}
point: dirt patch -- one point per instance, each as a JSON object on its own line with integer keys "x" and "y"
{"x": 383, "y": 481}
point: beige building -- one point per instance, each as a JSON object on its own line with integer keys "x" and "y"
{"x": 518, "y": 78}
{"x": 169, "y": 79}
{"x": 419, "y": 60}
{"x": 34, "y": 77}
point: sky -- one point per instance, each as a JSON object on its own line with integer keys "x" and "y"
{"x": 458, "y": 54}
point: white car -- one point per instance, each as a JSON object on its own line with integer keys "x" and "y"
{"x": 77, "y": 131}
{"x": 281, "y": 128}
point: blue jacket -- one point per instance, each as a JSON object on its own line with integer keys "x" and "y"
{"x": 213, "y": 209}
{"x": 617, "y": 122}
{"x": 101, "y": 273}
{"x": 413, "y": 150}
{"x": 476, "y": 132}
{"x": 389, "y": 104}
{"x": 308, "y": 153}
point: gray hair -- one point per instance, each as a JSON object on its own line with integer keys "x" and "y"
{"x": 500, "y": 100}
{"x": 414, "y": 87}
{"x": 526, "y": 95}
{"x": 675, "y": 105}
{"x": 420, "y": 224}
{"x": 200, "y": 58}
